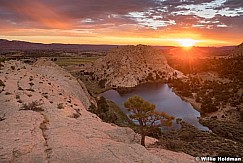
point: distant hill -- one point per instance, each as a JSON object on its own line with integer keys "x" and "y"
{"x": 129, "y": 66}
{"x": 237, "y": 51}
{"x": 197, "y": 52}
{"x": 22, "y": 45}
{"x": 6, "y": 45}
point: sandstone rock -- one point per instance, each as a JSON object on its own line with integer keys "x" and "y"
{"x": 172, "y": 157}
{"x": 65, "y": 134}
{"x": 130, "y": 65}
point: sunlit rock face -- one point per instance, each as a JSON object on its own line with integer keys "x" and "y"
{"x": 237, "y": 52}
{"x": 130, "y": 65}
{"x": 59, "y": 128}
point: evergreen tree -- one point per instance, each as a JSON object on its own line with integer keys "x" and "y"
{"x": 144, "y": 112}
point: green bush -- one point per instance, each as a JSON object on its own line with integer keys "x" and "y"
{"x": 150, "y": 77}
{"x": 13, "y": 67}
{"x": 75, "y": 115}
{"x": 102, "y": 83}
{"x": 103, "y": 110}
{"x": 241, "y": 116}
{"x": 2, "y": 83}
{"x": 34, "y": 106}
{"x": 60, "y": 106}
{"x": 208, "y": 108}
{"x": 91, "y": 108}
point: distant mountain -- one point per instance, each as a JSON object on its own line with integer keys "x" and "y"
{"x": 22, "y": 45}
{"x": 237, "y": 51}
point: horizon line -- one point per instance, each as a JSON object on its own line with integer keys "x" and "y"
{"x": 112, "y": 44}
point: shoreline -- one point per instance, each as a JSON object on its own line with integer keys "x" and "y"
{"x": 195, "y": 105}
{"x": 124, "y": 90}
{"x": 191, "y": 101}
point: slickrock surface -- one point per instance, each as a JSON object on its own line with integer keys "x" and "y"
{"x": 130, "y": 65}
{"x": 60, "y": 129}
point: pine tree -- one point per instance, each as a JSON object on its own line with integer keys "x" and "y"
{"x": 144, "y": 112}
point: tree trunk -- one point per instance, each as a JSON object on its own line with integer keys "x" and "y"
{"x": 142, "y": 132}
{"x": 143, "y": 139}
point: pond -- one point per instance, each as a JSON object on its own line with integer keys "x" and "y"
{"x": 165, "y": 100}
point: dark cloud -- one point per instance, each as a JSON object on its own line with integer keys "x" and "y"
{"x": 94, "y": 8}
{"x": 72, "y": 11}
{"x": 83, "y": 8}
{"x": 184, "y": 2}
{"x": 235, "y": 22}
{"x": 95, "y": 14}
{"x": 232, "y": 4}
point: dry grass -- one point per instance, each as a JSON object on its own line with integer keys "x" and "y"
{"x": 66, "y": 61}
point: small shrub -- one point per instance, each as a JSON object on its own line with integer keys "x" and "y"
{"x": 174, "y": 145}
{"x": 102, "y": 83}
{"x": 13, "y": 67}
{"x": 92, "y": 108}
{"x": 8, "y": 93}
{"x": 75, "y": 115}
{"x": 2, "y": 117}
{"x": 60, "y": 106}
{"x": 31, "y": 78}
{"x": 150, "y": 77}
{"x": 2, "y": 83}
{"x": 241, "y": 116}
{"x": 31, "y": 84}
{"x": 43, "y": 125}
{"x": 34, "y": 106}
{"x": 20, "y": 88}
{"x": 31, "y": 90}
{"x": 17, "y": 97}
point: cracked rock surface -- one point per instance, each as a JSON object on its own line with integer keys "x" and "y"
{"x": 44, "y": 118}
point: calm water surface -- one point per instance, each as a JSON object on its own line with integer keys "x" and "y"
{"x": 165, "y": 100}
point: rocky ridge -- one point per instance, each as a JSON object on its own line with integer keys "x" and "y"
{"x": 129, "y": 66}
{"x": 43, "y": 118}
{"x": 237, "y": 51}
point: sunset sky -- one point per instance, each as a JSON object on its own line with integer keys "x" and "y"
{"x": 152, "y": 22}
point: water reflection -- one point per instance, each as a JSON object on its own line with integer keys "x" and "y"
{"x": 165, "y": 100}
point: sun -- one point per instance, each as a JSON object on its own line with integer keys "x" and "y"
{"x": 187, "y": 42}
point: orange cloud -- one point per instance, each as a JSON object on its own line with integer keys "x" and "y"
{"x": 117, "y": 22}
{"x": 43, "y": 14}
